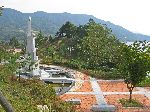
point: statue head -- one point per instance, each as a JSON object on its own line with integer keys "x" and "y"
{"x": 29, "y": 18}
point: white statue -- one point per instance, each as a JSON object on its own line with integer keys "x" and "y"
{"x": 31, "y": 50}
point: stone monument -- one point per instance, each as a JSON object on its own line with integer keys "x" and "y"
{"x": 31, "y": 50}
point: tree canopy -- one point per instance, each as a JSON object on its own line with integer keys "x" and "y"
{"x": 134, "y": 63}
{"x": 92, "y": 43}
{"x": 14, "y": 42}
{"x": 67, "y": 30}
{"x": 1, "y": 8}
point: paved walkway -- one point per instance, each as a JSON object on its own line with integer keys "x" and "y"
{"x": 100, "y": 80}
{"x": 96, "y": 95}
{"x": 144, "y": 91}
{"x": 99, "y": 94}
{"x": 109, "y": 93}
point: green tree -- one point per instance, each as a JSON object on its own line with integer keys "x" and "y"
{"x": 43, "y": 41}
{"x": 50, "y": 51}
{"x": 134, "y": 64}
{"x": 1, "y": 8}
{"x": 2, "y": 54}
{"x": 92, "y": 44}
{"x": 67, "y": 30}
{"x": 50, "y": 39}
{"x": 14, "y": 42}
{"x": 99, "y": 46}
{"x": 3, "y": 101}
{"x": 40, "y": 39}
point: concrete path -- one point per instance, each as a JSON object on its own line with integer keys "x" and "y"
{"x": 145, "y": 92}
{"x": 99, "y": 94}
{"x": 109, "y": 93}
{"x": 101, "y": 80}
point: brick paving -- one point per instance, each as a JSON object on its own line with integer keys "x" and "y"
{"x": 86, "y": 101}
{"x": 147, "y": 88}
{"x": 111, "y": 91}
{"x": 114, "y": 86}
{"x": 85, "y": 87}
{"x": 114, "y": 100}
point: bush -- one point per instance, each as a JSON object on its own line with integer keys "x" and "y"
{"x": 27, "y": 94}
{"x": 46, "y": 60}
{"x": 145, "y": 82}
{"x": 113, "y": 74}
{"x": 102, "y": 72}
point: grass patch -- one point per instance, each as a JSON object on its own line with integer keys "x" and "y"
{"x": 133, "y": 103}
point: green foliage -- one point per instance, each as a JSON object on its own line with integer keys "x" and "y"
{"x": 25, "y": 96}
{"x": 14, "y": 43}
{"x": 50, "y": 51}
{"x": 108, "y": 75}
{"x": 145, "y": 82}
{"x": 2, "y": 53}
{"x": 46, "y": 50}
{"x": 134, "y": 63}
{"x": 127, "y": 103}
{"x": 92, "y": 44}
{"x": 67, "y": 30}
{"x": 99, "y": 47}
{"x": 71, "y": 64}
{"x": 1, "y": 8}
{"x": 9, "y": 59}
{"x": 40, "y": 39}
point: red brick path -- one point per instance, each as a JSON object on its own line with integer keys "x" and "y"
{"x": 87, "y": 100}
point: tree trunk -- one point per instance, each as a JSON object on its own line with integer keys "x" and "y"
{"x": 130, "y": 87}
{"x": 5, "y": 104}
{"x": 52, "y": 56}
{"x": 19, "y": 77}
{"x": 12, "y": 77}
{"x": 130, "y": 98}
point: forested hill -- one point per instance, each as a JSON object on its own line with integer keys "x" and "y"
{"x": 14, "y": 23}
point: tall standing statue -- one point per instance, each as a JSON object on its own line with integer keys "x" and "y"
{"x": 31, "y": 50}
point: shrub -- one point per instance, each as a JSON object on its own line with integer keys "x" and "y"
{"x": 145, "y": 82}
{"x": 113, "y": 74}
{"x": 27, "y": 94}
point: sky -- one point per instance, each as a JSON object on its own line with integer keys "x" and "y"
{"x": 131, "y": 14}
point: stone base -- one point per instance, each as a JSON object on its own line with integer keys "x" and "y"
{"x": 74, "y": 101}
{"x": 35, "y": 72}
{"x": 101, "y": 108}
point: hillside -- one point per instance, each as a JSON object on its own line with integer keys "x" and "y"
{"x": 14, "y": 23}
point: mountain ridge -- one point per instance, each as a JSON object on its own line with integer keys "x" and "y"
{"x": 14, "y": 23}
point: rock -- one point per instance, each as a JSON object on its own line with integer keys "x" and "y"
{"x": 105, "y": 107}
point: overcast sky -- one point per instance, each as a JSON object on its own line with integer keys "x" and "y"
{"x": 133, "y": 15}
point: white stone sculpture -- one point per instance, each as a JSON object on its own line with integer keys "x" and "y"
{"x": 31, "y": 50}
